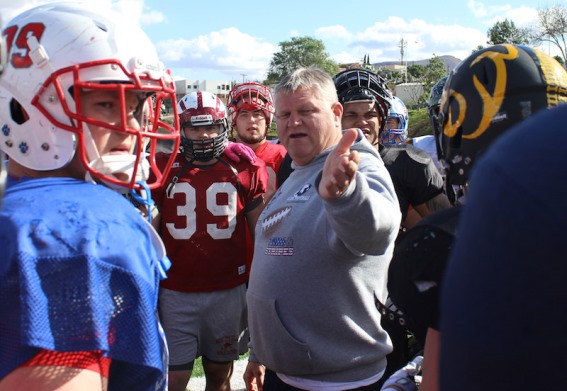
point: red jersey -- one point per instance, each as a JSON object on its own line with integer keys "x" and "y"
{"x": 272, "y": 154}
{"x": 203, "y": 222}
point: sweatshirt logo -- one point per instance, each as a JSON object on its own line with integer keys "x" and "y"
{"x": 280, "y": 246}
{"x": 274, "y": 218}
{"x": 299, "y": 195}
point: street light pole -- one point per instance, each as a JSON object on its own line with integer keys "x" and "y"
{"x": 403, "y": 45}
{"x": 243, "y": 76}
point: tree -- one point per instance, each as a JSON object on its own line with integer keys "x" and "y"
{"x": 552, "y": 28}
{"x": 391, "y": 76}
{"x": 415, "y": 72}
{"x": 427, "y": 76}
{"x": 299, "y": 51}
{"x": 507, "y": 32}
{"x": 434, "y": 71}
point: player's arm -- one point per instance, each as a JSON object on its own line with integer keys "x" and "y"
{"x": 259, "y": 201}
{"x": 253, "y": 213}
{"x": 440, "y": 201}
{"x": 431, "y": 357}
{"x": 58, "y": 371}
{"x": 156, "y": 221}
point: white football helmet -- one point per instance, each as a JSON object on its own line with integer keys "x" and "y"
{"x": 3, "y": 170}
{"x": 203, "y": 108}
{"x": 392, "y": 136}
{"x": 54, "y": 52}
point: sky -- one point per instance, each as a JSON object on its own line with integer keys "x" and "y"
{"x": 231, "y": 40}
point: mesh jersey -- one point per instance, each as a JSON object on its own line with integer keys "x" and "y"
{"x": 415, "y": 177}
{"x": 79, "y": 272}
{"x": 203, "y": 222}
{"x": 273, "y": 155}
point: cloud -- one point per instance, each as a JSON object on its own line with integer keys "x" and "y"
{"x": 11, "y": 8}
{"x": 479, "y": 10}
{"x": 228, "y": 50}
{"x": 522, "y": 17}
{"x": 336, "y": 32}
{"x": 382, "y": 41}
{"x": 133, "y": 10}
{"x": 294, "y": 33}
{"x": 152, "y": 17}
{"x": 137, "y": 11}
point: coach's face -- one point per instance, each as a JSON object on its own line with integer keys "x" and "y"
{"x": 307, "y": 124}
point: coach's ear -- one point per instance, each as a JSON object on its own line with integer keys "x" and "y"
{"x": 338, "y": 112}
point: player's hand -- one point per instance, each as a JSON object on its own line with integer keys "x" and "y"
{"x": 254, "y": 376}
{"x": 236, "y": 151}
{"x": 340, "y": 167}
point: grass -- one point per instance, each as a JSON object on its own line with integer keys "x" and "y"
{"x": 198, "y": 367}
{"x": 419, "y": 124}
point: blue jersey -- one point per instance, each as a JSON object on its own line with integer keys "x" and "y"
{"x": 79, "y": 271}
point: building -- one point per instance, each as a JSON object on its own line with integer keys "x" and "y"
{"x": 409, "y": 92}
{"x": 217, "y": 87}
{"x": 395, "y": 67}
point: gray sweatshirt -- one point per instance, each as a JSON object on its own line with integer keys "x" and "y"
{"x": 316, "y": 270}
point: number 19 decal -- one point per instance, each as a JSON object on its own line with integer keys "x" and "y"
{"x": 17, "y": 43}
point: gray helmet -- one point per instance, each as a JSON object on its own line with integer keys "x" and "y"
{"x": 435, "y": 96}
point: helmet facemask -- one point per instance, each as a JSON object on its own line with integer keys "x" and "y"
{"x": 206, "y": 149}
{"x": 358, "y": 85}
{"x": 399, "y": 134}
{"x": 120, "y": 171}
{"x": 393, "y": 136}
{"x": 251, "y": 97}
{"x": 203, "y": 109}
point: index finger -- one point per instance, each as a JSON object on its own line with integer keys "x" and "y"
{"x": 349, "y": 137}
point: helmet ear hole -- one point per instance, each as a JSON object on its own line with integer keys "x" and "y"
{"x": 17, "y": 112}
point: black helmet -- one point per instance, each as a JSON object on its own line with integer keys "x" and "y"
{"x": 435, "y": 96}
{"x": 359, "y": 84}
{"x": 488, "y": 92}
{"x": 434, "y": 103}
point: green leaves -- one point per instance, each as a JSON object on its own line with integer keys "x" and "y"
{"x": 299, "y": 51}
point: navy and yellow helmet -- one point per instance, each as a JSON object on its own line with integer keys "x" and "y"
{"x": 487, "y": 93}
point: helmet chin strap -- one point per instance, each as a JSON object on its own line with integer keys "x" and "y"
{"x": 119, "y": 166}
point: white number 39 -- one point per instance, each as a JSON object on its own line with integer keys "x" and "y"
{"x": 188, "y": 210}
